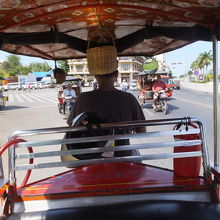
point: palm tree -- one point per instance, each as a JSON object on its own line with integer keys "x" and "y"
{"x": 206, "y": 59}
{"x": 194, "y": 65}
{"x": 203, "y": 60}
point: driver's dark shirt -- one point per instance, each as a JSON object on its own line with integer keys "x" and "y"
{"x": 113, "y": 106}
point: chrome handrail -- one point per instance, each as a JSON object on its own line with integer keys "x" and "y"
{"x": 146, "y": 123}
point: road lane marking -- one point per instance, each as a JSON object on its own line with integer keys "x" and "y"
{"x": 196, "y": 103}
{"x": 18, "y": 98}
{"x": 27, "y": 98}
{"x": 183, "y": 93}
{"x": 37, "y": 99}
{"x": 41, "y": 99}
{"x": 48, "y": 99}
{"x": 43, "y": 106}
{"x": 10, "y": 98}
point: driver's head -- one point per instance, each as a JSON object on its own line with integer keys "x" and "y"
{"x": 69, "y": 86}
{"x": 107, "y": 78}
{"x": 159, "y": 78}
{"x": 60, "y": 75}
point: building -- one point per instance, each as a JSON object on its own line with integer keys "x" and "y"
{"x": 128, "y": 68}
{"x": 40, "y": 75}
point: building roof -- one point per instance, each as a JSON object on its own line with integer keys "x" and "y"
{"x": 42, "y": 74}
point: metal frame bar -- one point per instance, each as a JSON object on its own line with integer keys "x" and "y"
{"x": 108, "y": 149}
{"x": 215, "y": 102}
{"x": 160, "y": 122}
{"x": 76, "y": 163}
{"x": 108, "y": 138}
{"x": 129, "y": 124}
{"x": 1, "y": 169}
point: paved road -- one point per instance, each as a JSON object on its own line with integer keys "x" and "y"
{"x": 33, "y": 98}
{"x": 190, "y": 103}
{"x": 38, "y": 109}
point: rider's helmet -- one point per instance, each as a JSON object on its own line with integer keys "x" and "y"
{"x": 91, "y": 120}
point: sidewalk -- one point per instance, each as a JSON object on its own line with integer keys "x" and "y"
{"x": 204, "y": 87}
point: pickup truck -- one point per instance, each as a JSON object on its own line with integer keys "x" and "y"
{"x": 176, "y": 84}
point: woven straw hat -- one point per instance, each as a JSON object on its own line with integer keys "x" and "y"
{"x": 102, "y": 60}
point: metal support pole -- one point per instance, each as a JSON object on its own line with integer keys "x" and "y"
{"x": 1, "y": 169}
{"x": 215, "y": 101}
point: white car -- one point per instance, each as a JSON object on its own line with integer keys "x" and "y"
{"x": 12, "y": 86}
{"x": 41, "y": 85}
{"x": 33, "y": 85}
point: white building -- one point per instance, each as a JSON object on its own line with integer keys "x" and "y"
{"x": 128, "y": 68}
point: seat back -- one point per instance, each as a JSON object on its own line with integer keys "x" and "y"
{"x": 156, "y": 146}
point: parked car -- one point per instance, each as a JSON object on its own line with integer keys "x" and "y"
{"x": 12, "y": 86}
{"x": 41, "y": 85}
{"x": 33, "y": 85}
{"x": 133, "y": 85}
{"x": 176, "y": 84}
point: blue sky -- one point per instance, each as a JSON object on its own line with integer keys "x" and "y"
{"x": 26, "y": 60}
{"x": 185, "y": 56}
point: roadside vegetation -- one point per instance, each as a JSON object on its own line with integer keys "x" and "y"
{"x": 201, "y": 64}
{"x": 12, "y": 67}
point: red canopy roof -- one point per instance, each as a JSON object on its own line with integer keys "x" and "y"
{"x": 60, "y": 29}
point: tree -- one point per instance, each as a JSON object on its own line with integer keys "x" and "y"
{"x": 200, "y": 62}
{"x": 190, "y": 73}
{"x": 39, "y": 67}
{"x": 206, "y": 58}
{"x": 3, "y": 74}
{"x": 23, "y": 70}
{"x": 63, "y": 64}
{"x": 12, "y": 65}
{"x": 203, "y": 60}
{"x": 194, "y": 65}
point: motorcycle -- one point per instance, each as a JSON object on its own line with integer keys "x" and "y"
{"x": 161, "y": 102}
{"x": 68, "y": 100}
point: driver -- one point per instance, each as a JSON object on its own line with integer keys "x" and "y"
{"x": 157, "y": 86}
{"x": 112, "y": 104}
{"x": 69, "y": 91}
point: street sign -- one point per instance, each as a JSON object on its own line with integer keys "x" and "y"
{"x": 196, "y": 72}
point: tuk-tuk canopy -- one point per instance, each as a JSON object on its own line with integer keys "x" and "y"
{"x": 60, "y": 29}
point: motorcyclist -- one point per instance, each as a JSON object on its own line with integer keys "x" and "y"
{"x": 157, "y": 86}
{"x": 68, "y": 92}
